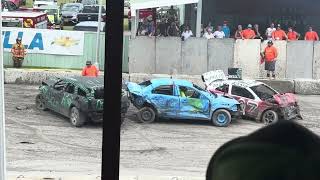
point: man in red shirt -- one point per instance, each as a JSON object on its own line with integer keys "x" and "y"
{"x": 292, "y": 35}
{"x": 90, "y": 70}
{"x": 248, "y": 33}
{"x": 279, "y": 34}
{"x": 270, "y": 54}
{"x": 311, "y": 35}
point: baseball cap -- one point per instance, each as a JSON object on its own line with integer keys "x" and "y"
{"x": 88, "y": 63}
{"x": 249, "y": 25}
{"x": 270, "y": 42}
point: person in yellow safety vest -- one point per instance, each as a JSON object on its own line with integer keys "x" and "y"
{"x": 18, "y": 53}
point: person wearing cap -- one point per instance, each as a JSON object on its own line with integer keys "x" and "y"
{"x": 270, "y": 54}
{"x": 281, "y": 151}
{"x": 18, "y": 53}
{"x": 269, "y": 31}
{"x": 248, "y": 33}
{"x": 226, "y": 29}
{"x": 90, "y": 70}
{"x": 279, "y": 34}
{"x": 311, "y": 35}
{"x": 292, "y": 35}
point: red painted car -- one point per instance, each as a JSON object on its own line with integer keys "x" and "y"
{"x": 258, "y": 100}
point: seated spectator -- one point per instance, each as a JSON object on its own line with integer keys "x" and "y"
{"x": 238, "y": 34}
{"x": 186, "y": 33}
{"x": 281, "y": 151}
{"x": 279, "y": 34}
{"x": 219, "y": 33}
{"x": 173, "y": 30}
{"x": 311, "y": 35}
{"x": 248, "y": 33}
{"x": 208, "y": 35}
{"x": 292, "y": 35}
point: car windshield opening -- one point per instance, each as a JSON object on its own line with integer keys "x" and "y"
{"x": 263, "y": 91}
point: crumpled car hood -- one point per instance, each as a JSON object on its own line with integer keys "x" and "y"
{"x": 285, "y": 99}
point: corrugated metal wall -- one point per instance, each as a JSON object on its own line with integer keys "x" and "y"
{"x": 72, "y": 62}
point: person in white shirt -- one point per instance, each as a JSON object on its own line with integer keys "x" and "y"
{"x": 208, "y": 34}
{"x": 269, "y": 31}
{"x": 186, "y": 33}
{"x": 219, "y": 33}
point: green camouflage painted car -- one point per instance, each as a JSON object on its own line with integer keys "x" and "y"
{"x": 78, "y": 98}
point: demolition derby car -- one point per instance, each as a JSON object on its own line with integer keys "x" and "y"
{"x": 258, "y": 100}
{"x": 180, "y": 99}
{"x": 79, "y": 98}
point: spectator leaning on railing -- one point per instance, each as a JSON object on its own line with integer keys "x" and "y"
{"x": 219, "y": 33}
{"x": 279, "y": 34}
{"x": 311, "y": 35}
{"x": 256, "y": 30}
{"x": 226, "y": 29}
{"x": 208, "y": 34}
{"x": 248, "y": 33}
{"x": 269, "y": 31}
{"x": 186, "y": 33}
{"x": 238, "y": 34}
{"x": 292, "y": 35}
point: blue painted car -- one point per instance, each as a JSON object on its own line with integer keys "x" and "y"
{"x": 180, "y": 99}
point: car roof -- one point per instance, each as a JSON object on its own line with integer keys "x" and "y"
{"x": 242, "y": 83}
{"x": 88, "y": 82}
{"x": 168, "y": 81}
{"x": 47, "y": 7}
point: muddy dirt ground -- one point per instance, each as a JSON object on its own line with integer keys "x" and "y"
{"x": 43, "y": 142}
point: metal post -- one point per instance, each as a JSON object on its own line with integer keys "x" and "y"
{"x": 2, "y": 116}
{"x": 199, "y": 14}
{"x": 98, "y": 35}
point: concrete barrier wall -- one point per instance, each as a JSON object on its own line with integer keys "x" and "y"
{"x": 194, "y": 56}
{"x": 299, "y": 59}
{"x": 142, "y": 55}
{"x": 247, "y": 56}
{"x": 220, "y": 54}
{"x": 168, "y": 55}
{"x": 316, "y": 60}
{"x": 281, "y": 64}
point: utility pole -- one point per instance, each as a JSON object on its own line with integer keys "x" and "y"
{"x": 98, "y": 35}
{"x": 2, "y": 116}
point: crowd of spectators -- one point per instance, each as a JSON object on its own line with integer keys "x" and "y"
{"x": 169, "y": 25}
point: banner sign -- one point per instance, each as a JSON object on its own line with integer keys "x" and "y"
{"x": 45, "y": 41}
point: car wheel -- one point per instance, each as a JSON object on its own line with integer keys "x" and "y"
{"x": 77, "y": 118}
{"x": 270, "y": 117}
{"x": 40, "y": 103}
{"x": 221, "y": 118}
{"x": 147, "y": 115}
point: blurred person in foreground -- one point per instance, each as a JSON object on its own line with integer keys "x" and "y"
{"x": 280, "y": 151}
{"x": 90, "y": 70}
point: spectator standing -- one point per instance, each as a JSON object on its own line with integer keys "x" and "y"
{"x": 186, "y": 33}
{"x": 292, "y": 35}
{"x": 269, "y": 31}
{"x": 270, "y": 54}
{"x": 238, "y": 34}
{"x": 172, "y": 14}
{"x": 248, "y": 33}
{"x": 311, "y": 35}
{"x": 226, "y": 29}
{"x": 90, "y": 70}
{"x": 173, "y": 30}
{"x": 202, "y": 30}
{"x": 18, "y": 53}
{"x": 208, "y": 35}
{"x": 256, "y": 30}
{"x": 162, "y": 27}
{"x": 279, "y": 34}
{"x": 150, "y": 27}
{"x": 219, "y": 33}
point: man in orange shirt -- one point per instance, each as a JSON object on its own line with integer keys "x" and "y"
{"x": 311, "y": 35}
{"x": 90, "y": 70}
{"x": 292, "y": 35}
{"x": 248, "y": 33}
{"x": 270, "y": 54}
{"x": 279, "y": 34}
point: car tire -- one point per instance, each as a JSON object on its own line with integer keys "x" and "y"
{"x": 77, "y": 118}
{"x": 40, "y": 103}
{"x": 147, "y": 115}
{"x": 269, "y": 117}
{"x": 221, "y": 118}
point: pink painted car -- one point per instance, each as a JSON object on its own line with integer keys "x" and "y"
{"x": 258, "y": 100}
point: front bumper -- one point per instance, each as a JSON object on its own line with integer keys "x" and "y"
{"x": 235, "y": 114}
{"x": 290, "y": 112}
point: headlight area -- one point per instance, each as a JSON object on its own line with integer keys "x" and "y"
{"x": 235, "y": 107}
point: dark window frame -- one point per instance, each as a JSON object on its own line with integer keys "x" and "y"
{"x": 241, "y": 95}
